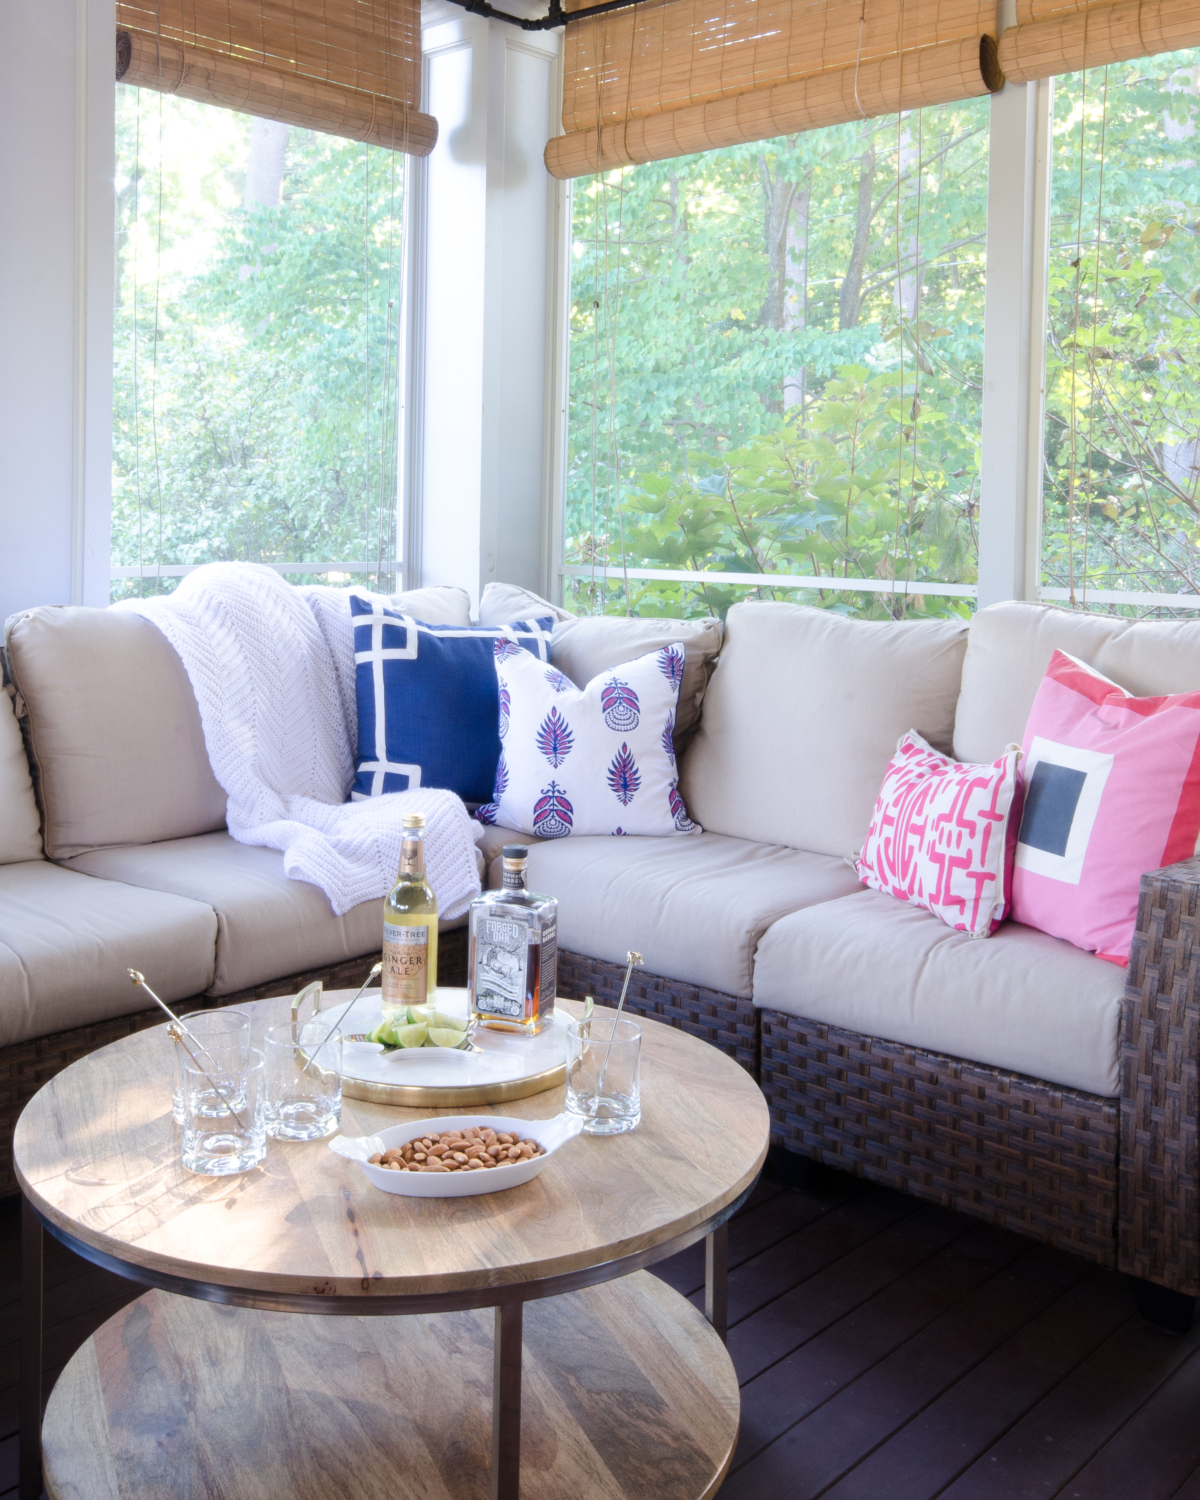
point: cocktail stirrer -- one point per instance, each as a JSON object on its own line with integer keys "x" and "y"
{"x": 177, "y": 1031}
{"x": 336, "y": 1032}
{"x": 634, "y": 959}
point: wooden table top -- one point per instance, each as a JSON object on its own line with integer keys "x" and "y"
{"x": 98, "y": 1155}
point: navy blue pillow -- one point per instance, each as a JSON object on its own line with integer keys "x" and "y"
{"x": 428, "y": 700}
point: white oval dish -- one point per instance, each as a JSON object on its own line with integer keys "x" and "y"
{"x": 549, "y": 1134}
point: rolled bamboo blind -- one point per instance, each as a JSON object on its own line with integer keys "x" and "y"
{"x": 1064, "y": 36}
{"x": 671, "y": 77}
{"x": 346, "y": 67}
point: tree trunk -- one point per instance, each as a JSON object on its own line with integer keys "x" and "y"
{"x": 679, "y": 222}
{"x": 851, "y": 288}
{"x": 778, "y": 197}
{"x": 907, "y": 291}
{"x": 795, "y": 307}
{"x": 126, "y": 225}
{"x": 264, "y": 165}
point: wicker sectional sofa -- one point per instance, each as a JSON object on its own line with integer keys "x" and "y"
{"x": 1017, "y": 1079}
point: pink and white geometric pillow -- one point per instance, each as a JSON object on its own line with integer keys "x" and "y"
{"x": 599, "y": 759}
{"x": 1112, "y": 791}
{"x": 940, "y": 835}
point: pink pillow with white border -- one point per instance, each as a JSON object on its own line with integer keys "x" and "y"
{"x": 940, "y": 835}
{"x": 1112, "y": 791}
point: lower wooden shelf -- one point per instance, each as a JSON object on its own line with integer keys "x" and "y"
{"x": 627, "y": 1392}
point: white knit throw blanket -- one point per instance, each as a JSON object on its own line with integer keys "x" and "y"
{"x": 272, "y": 667}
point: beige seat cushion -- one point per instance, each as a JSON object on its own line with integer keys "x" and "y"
{"x": 1019, "y": 1000}
{"x": 20, "y": 826}
{"x": 66, "y": 942}
{"x": 803, "y": 714}
{"x": 1009, "y": 648}
{"x": 489, "y": 847}
{"x": 694, "y": 908}
{"x": 267, "y": 925}
{"x": 114, "y": 730}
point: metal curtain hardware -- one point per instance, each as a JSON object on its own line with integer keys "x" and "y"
{"x": 554, "y": 17}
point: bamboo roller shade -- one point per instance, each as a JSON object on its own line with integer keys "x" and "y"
{"x": 347, "y": 67}
{"x": 671, "y": 77}
{"x": 1064, "y": 36}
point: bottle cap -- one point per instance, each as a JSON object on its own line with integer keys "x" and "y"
{"x": 414, "y": 820}
{"x": 515, "y": 851}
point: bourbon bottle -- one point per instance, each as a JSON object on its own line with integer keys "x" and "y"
{"x": 514, "y": 952}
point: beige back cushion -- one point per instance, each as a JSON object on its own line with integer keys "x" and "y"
{"x": 441, "y": 604}
{"x": 803, "y": 714}
{"x": 1009, "y": 649}
{"x": 20, "y": 826}
{"x": 584, "y": 647}
{"x": 113, "y": 729}
{"x": 502, "y": 602}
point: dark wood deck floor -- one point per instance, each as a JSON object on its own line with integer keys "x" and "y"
{"x": 886, "y": 1350}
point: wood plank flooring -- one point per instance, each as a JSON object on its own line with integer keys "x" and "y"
{"x": 886, "y": 1350}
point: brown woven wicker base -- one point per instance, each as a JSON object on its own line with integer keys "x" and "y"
{"x": 26, "y": 1066}
{"x": 724, "y": 1020}
{"x": 1035, "y": 1158}
{"x": 1160, "y": 1084}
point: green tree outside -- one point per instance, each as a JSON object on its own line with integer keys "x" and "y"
{"x": 1122, "y": 456}
{"x": 776, "y": 356}
{"x": 256, "y": 343}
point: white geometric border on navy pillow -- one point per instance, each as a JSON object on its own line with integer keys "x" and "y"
{"x": 384, "y": 634}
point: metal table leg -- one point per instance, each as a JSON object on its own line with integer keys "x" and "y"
{"x": 506, "y": 1403}
{"x": 716, "y": 1280}
{"x": 30, "y": 1472}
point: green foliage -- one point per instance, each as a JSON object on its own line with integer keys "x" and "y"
{"x": 256, "y": 349}
{"x": 776, "y": 366}
{"x": 1123, "y": 398}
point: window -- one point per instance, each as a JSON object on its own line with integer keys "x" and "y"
{"x": 776, "y": 357}
{"x": 1121, "y": 518}
{"x": 258, "y": 324}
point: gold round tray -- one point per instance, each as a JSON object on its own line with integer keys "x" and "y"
{"x": 546, "y": 1063}
{"x": 418, "y": 1096}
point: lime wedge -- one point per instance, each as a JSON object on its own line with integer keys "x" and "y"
{"x": 421, "y": 1015}
{"x": 445, "y": 1036}
{"x": 409, "y": 1036}
{"x": 392, "y": 1017}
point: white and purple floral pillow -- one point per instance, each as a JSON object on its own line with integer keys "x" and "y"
{"x": 598, "y": 759}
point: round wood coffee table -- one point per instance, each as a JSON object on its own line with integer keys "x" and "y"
{"x": 628, "y": 1390}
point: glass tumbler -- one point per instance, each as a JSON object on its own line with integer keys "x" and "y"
{"x": 603, "y": 1074}
{"x": 224, "y": 1046}
{"x": 304, "y": 1081}
{"x": 236, "y": 1139}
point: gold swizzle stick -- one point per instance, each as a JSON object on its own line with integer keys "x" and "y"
{"x": 634, "y": 959}
{"x": 177, "y": 1031}
{"x": 337, "y": 1031}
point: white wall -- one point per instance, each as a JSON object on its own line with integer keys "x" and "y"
{"x": 486, "y": 219}
{"x": 56, "y": 230}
